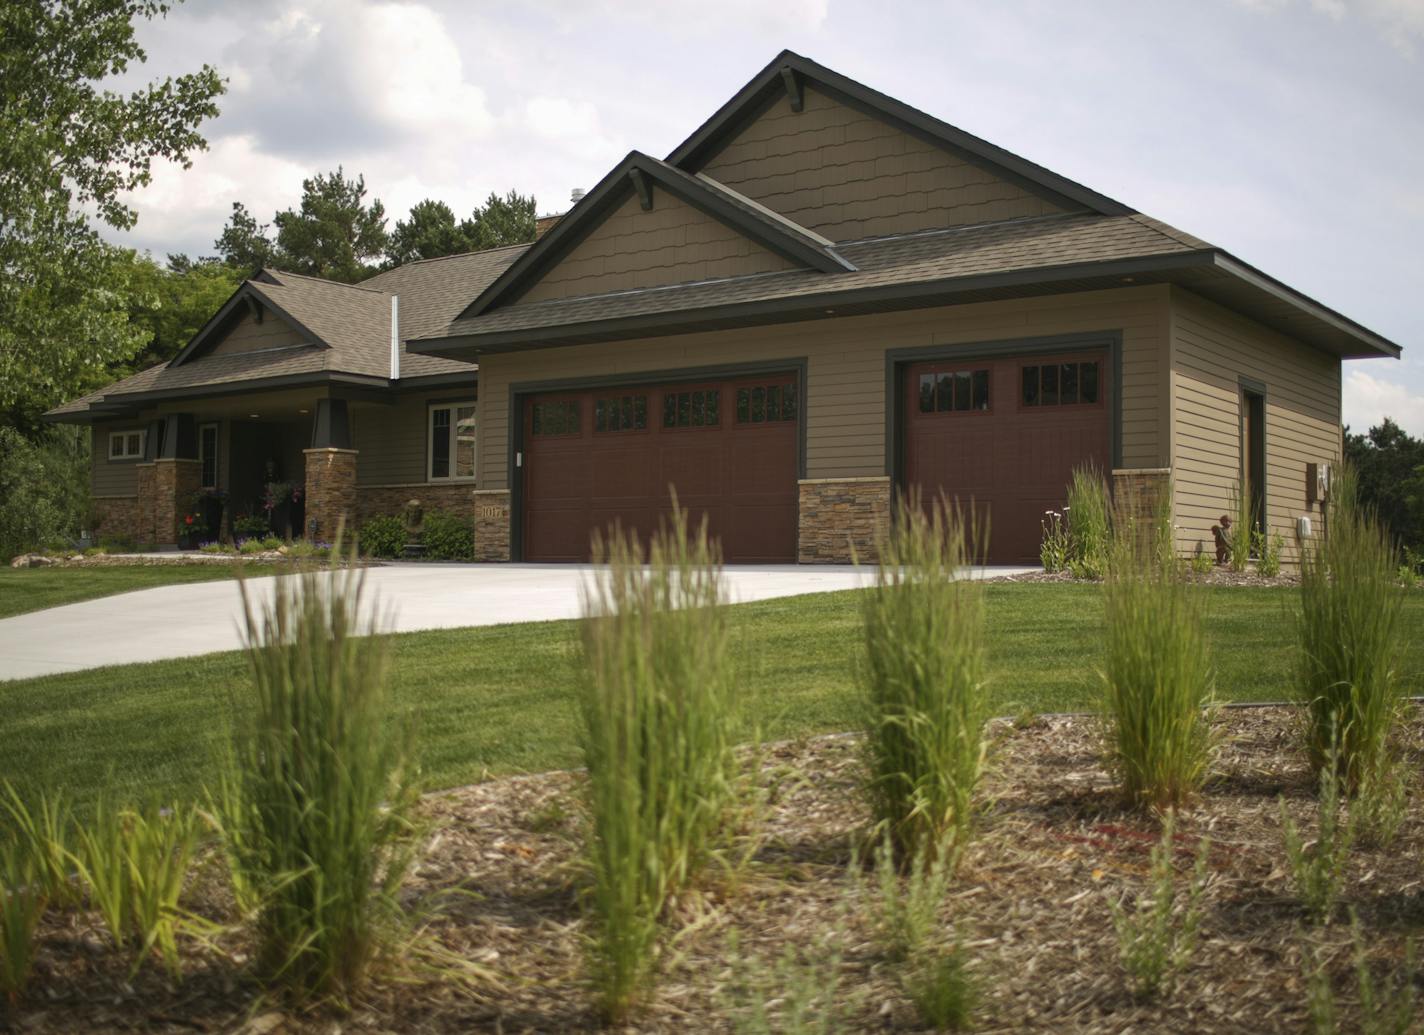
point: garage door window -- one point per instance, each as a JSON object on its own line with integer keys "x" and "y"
{"x": 556, "y": 418}
{"x": 959, "y": 391}
{"x": 766, "y": 403}
{"x": 622, "y": 413}
{"x": 1061, "y": 384}
{"x": 697, "y": 408}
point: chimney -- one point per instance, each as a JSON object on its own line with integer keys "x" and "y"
{"x": 577, "y": 195}
{"x": 395, "y": 337}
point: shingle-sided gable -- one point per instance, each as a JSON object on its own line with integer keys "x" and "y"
{"x": 671, "y": 243}
{"x": 246, "y": 334}
{"x": 847, "y": 174}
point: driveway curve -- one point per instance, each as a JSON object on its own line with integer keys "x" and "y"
{"x": 203, "y": 617}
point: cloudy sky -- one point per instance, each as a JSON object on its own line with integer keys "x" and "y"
{"x": 1290, "y": 132}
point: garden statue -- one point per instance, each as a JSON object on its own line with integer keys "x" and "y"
{"x": 1222, "y": 534}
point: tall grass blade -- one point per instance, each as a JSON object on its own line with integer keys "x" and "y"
{"x": 22, "y": 903}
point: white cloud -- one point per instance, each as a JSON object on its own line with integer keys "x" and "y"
{"x": 1370, "y": 399}
{"x": 1400, "y": 22}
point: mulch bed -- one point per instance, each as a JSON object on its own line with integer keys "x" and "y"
{"x": 1217, "y": 576}
{"x": 1030, "y": 904}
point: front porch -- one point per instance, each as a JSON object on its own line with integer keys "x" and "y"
{"x": 280, "y": 464}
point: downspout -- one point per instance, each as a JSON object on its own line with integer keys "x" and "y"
{"x": 395, "y": 337}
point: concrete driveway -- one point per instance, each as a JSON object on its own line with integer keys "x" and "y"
{"x": 203, "y": 617}
{"x": 199, "y": 618}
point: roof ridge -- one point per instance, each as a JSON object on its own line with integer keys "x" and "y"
{"x": 964, "y": 227}
{"x": 452, "y": 255}
{"x": 319, "y": 280}
{"x": 1169, "y": 231}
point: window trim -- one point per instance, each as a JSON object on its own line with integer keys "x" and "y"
{"x": 217, "y": 452}
{"x": 452, "y": 406}
{"x": 126, "y": 456}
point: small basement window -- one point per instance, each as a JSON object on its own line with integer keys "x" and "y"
{"x": 452, "y": 442}
{"x": 126, "y": 445}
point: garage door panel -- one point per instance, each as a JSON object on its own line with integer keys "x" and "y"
{"x": 737, "y": 469}
{"x": 1012, "y": 448}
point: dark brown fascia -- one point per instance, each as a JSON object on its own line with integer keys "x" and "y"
{"x": 586, "y": 216}
{"x": 787, "y": 68}
{"x": 919, "y": 294}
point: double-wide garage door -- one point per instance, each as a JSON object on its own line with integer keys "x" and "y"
{"x": 728, "y": 448}
{"x": 1006, "y": 434}
{"x": 1003, "y": 432}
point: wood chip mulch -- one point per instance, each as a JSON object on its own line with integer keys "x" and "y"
{"x": 1217, "y": 576}
{"x": 1030, "y": 906}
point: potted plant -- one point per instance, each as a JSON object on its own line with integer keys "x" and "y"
{"x": 192, "y": 529}
{"x": 281, "y": 501}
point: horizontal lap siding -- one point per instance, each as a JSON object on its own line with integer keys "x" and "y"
{"x": 847, "y": 175}
{"x": 390, "y": 442}
{"x": 1212, "y": 349}
{"x": 673, "y": 243}
{"x": 111, "y": 477}
{"x": 845, "y": 394}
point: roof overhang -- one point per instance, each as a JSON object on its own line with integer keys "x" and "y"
{"x": 1210, "y": 273}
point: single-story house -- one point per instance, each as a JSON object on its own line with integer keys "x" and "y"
{"x": 822, "y": 296}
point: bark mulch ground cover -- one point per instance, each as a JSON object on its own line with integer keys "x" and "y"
{"x": 1030, "y": 906}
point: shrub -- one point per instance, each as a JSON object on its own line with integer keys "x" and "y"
{"x": 1348, "y": 639}
{"x": 1156, "y": 674}
{"x": 448, "y": 537}
{"x": 792, "y": 995}
{"x": 1053, "y": 549}
{"x": 1157, "y": 936}
{"x": 1387, "y": 1007}
{"x": 1202, "y": 564}
{"x": 118, "y": 544}
{"x": 133, "y": 864}
{"x": 248, "y": 525}
{"x": 44, "y": 489}
{"x": 251, "y": 546}
{"x": 942, "y": 989}
{"x": 317, "y": 812}
{"x": 1268, "y": 551}
{"x": 22, "y": 903}
{"x": 905, "y": 912}
{"x": 272, "y": 542}
{"x": 382, "y": 537}
{"x": 657, "y": 693}
{"x": 215, "y": 548}
{"x": 1088, "y": 524}
{"x": 923, "y": 679}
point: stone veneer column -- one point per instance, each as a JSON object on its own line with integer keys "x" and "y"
{"x": 492, "y": 510}
{"x": 146, "y": 505}
{"x": 1137, "y": 493}
{"x": 841, "y": 519}
{"x": 175, "y": 482}
{"x": 330, "y": 493}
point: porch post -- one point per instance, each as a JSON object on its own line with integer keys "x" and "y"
{"x": 176, "y": 474}
{"x": 330, "y": 472}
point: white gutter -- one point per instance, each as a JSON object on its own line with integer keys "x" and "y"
{"x": 395, "y": 337}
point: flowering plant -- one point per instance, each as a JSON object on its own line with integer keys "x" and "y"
{"x": 274, "y": 494}
{"x": 1053, "y": 551}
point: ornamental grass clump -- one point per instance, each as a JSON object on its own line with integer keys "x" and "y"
{"x": 317, "y": 814}
{"x": 1157, "y": 675}
{"x": 22, "y": 903}
{"x": 658, "y": 699}
{"x": 1089, "y": 524}
{"x": 1349, "y": 640}
{"x": 1244, "y": 528}
{"x": 923, "y": 679}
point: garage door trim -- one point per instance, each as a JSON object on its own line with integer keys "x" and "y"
{"x": 898, "y": 360}
{"x": 521, "y": 391}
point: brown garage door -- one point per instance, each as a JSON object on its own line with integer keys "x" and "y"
{"x": 728, "y": 446}
{"x": 1007, "y": 434}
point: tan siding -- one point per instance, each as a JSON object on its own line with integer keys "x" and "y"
{"x": 848, "y": 175}
{"x": 845, "y": 403}
{"x": 111, "y": 477}
{"x": 1212, "y": 349}
{"x": 247, "y": 335}
{"x": 673, "y": 243}
{"x": 391, "y": 440}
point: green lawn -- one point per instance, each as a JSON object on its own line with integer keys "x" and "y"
{"x": 497, "y": 700}
{"x": 32, "y": 589}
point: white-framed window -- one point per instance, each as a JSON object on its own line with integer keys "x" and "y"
{"x": 208, "y": 455}
{"x": 452, "y": 442}
{"x": 126, "y": 445}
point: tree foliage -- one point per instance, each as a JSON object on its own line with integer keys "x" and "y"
{"x": 169, "y": 305}
{"x": 44, "y": 488}
{"x": 68, "y": 144}
{"x": 333, "y": 233}
{"x": 1389, "y": 463}
{"x": 431, "y": 230}
{"x": 244, "y": 243}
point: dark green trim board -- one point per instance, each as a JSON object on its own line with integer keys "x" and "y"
{"x": 898, "y": 360}
{"x": 1255, "y": 448}
{"x": 520, "y": 391}
{"x": 769, "y": 85}
{"x": 639, "y": 173}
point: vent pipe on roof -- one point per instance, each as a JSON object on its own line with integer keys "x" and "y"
{"x": 395, "y": 337}
{"x": 577, "y": 195}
